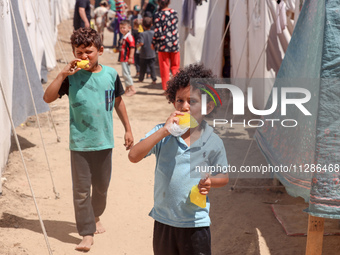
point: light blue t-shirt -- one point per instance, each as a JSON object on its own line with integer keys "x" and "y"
{"x": 174, "y": 177}
{"x": 92, "y": 97}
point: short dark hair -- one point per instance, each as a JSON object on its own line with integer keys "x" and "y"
{"x": 182, "y": 79}
{"x": 147, "y": 22}
{"x": 85, "y": 36}
{"x": 163, "y": 4}
{"x": 125, "y": 22}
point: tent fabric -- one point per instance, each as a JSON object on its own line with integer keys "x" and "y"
{"x": 201, "y": 43}
{"x": 256, "y": 52}
{"x": 22, "y": 102}
{"x": 325, "y": 191}
{"x": 36, "y": 22}
{"x": 314, "y": 55}
{"x": 6, "y": 78}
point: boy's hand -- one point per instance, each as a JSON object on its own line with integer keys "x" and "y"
{"x": 128, "y": 140}
{"x": 204, "y": 186}
{"x": 130, "y": 60}
{"x": 71, "y": 68}
{"x": 172, "y": 119}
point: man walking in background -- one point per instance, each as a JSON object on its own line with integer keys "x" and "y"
{"x": 82, "y": 14}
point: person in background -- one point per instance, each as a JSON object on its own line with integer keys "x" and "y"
{"x": 166, "y": 41}
{"x": 97, "y": 3}
{"x": 135, "y": 15}
{"x": 147, "y": 54}
{"x": 82, "y": 14}
{"x": 135, "y": 33}
{"x": 120, "y": 15}
{"x": 100, "y": 17}
{"x": 149, "y": 8}
{"x": 126, "y": 55}
{"x": 112, "y": 5}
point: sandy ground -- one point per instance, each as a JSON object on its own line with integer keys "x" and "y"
{"x": 242, "y": 220}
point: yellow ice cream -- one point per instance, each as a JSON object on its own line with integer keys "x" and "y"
{"x": 187, "y": 120}
{"x": 83, "y": 64}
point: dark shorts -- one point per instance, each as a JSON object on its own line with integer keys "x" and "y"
{"x": 168, "y": 240}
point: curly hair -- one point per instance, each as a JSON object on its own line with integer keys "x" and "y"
{"x": 85, "y": 36}
{"x": 182, "y": 79}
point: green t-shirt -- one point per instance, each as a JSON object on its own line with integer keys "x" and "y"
{"x": 92, "y": 97}
{"x": 113, "y": 5}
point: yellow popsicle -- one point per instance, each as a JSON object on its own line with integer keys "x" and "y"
{"x": 83, "y": 64}
{"x": 187, "y": 120}
{"x": 197, "y": 198}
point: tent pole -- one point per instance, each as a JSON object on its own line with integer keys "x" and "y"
{"x": 315, "y": 235}
{"x": 26, "y": 171}
{"x": 57, "y": 196}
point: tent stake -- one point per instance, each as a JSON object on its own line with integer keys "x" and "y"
{"x": 315, "y": 235}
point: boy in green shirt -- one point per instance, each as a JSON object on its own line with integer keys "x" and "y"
{"x": 93, "y": 92}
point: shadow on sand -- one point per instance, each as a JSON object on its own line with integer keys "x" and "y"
{"x": 60, "y": 230}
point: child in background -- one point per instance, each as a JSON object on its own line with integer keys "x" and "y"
{"x": 135, "y": 33}
{"x": 120, "y": 15}
{"x": 100, "y": 17}
{"x": 181, "y": 227}
{"x": 147, "y": 54}
{"x": 126, "y": 55}
{"x": 135, "y": 14}
{"x": 93, "y": 92}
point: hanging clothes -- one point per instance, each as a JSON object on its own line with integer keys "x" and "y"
{"x": 188, "y": 15}
{"x": 281, "y": 17}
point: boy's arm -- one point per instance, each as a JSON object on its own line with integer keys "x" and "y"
{"x": 217, "y": 181}
{"x": 141, "y": 149}
{"x": 132, "y": 52}
{"x": 51, "y": 93}
{"x": 122, "y": 114}
{"x": 83, "y": 16}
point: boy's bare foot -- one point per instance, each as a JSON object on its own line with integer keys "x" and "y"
{"x": 130, "y": 92}
{"x": 85, "y": 244}
{"x": 99, "y": 227}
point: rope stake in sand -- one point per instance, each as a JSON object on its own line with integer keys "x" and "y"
{"x": 34, "y": 106}
{"x": 23, "y": 162}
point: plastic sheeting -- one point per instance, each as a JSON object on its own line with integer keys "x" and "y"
{"x": 312, "y": 61}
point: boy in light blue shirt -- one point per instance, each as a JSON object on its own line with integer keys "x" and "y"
{"x": 182, "y": 227}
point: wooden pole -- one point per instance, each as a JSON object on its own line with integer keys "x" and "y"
{"x": 315, "y": 235}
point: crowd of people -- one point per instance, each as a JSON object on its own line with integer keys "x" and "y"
{"x": 141, "y": 34}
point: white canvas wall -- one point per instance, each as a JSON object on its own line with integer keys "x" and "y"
{"x": 36, "y": 25}
{"x": 6, "y": 79}
{"x": 204, "y": 44}
{"x": 256, "y": 48}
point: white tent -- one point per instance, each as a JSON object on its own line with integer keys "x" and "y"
{"x": 28, "y": 37}
{"x": 201, "y": 43}
{"x": 256, "y": 49}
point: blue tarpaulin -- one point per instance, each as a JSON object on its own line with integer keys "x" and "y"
{"x": 311, "y": 149}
